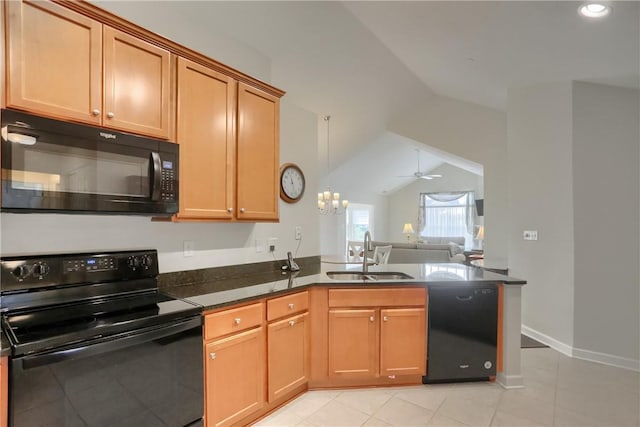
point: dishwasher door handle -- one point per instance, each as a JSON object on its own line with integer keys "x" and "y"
{"x": 464, "y": 298}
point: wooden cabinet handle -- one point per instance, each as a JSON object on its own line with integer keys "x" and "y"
{"x": 292, "y": 322}
{"x": 242, "y": 210}
{"x": 110, "y": 115}
{"x": 212, "y": 356}
{"x": 237, "y": 320}
{"x": 290, "y": 306}
{"x": 230, "y": 210}
{"x": 95, "y": 112}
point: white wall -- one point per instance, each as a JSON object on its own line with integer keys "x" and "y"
{"x": 540, "y": 198}
{"x": 403, "y": 204}
{"x": 606, "y": 188}
{"x": 476, "y": 133}
{"x": 216, "y": 244}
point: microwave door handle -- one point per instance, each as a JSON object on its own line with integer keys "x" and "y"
{"x": 156, "y": 171}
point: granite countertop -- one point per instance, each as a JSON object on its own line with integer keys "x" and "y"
{"x": 205, "y": 294}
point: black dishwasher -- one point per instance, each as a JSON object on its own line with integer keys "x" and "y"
{"x": 462, "y": 333}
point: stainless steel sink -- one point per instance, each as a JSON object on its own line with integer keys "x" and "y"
{"x": 358, "y": 275}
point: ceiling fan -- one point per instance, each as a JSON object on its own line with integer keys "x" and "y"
{"x": 419, "y": 174}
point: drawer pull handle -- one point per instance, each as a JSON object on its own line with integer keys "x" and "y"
{"x": 385, "y": 318}
{"x": 290, "y": 306}
{"x": 95, "y": 112}
{"x": 110, "y": 115}
{"x": 292, "y": 322}
{"x": 212, "y": 356}
{"x": 230, "y": 210}
{"x": 242, "y": 210}
{"x": 237, "y": 321}
{"x": 371, "y": 319}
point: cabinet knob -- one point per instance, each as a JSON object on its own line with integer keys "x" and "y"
{"x": 212, "y": 356}
{"x": 242, "y": 210}
{"x": 110, "y": 115}
{"x": 385, "y": 318}
{"x": 290, "y": 306}
{"x": 230, "y": 210}
{"x": 237, "y": 321}
{"x": 95, "y": 112}
{"x": 292, "y": 322}
{"x": 371, "y": 319}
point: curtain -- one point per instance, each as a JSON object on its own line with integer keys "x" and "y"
{"x": 450, "y": 213}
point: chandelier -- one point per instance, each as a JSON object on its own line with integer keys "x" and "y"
{"x": 329, "y": 201}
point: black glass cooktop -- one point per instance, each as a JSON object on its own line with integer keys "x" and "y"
{"x": 47, "y": 328}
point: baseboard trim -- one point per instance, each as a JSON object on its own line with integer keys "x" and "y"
{"x": 546, "y": 339}
{"x": 510, "y": 381}
{"x": 607, "y": 359}
{"x": 579, "y": 353}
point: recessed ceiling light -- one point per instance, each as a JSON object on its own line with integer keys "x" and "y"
{"x": 594, "y": 10}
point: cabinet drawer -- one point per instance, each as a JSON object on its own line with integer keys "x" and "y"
{"x": 288, "y": 304}
{"x": 413, "y": 297}
{"x": 233, "y": 320}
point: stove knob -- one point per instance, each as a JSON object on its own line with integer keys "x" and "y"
{"x": 41, "y": 270}
{"x": 133, "y": 262}
{"x": 147, "y": 261}
{"x": 20, "y": 272}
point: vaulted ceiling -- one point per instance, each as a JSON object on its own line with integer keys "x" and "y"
{"x": 366, "y": 62}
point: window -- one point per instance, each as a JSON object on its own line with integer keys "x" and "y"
{"x": 446, "y": 215}
{"x": 359, "y": 219}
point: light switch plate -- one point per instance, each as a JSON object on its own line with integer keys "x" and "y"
{"x": 298, "y": 231}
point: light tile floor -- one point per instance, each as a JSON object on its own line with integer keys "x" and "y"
{"x": 559, "y": 392}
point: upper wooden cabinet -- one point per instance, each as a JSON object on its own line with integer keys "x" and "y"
{"x": 258, "y": 154}
{"x": 205, "y": 132}
{"x": 54, "y": 61}
{"x": 229, "y": 147}
{"x": 55, "y": 68}
{"x": 137, "y": 82}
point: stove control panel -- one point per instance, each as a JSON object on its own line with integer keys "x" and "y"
{"x": 19, "y": 273}
{"x": 90, "y": 264}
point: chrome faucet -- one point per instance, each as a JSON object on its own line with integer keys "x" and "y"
{"x": 367, "y": 247}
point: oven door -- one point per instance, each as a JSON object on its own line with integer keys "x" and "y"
{"x": 151, "y": 377}
{"x": 65, "y": 167}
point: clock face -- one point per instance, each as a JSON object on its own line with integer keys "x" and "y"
{"x": 291, "y": 183}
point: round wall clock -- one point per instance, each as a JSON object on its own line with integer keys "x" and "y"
{"x": 292, "y": 183}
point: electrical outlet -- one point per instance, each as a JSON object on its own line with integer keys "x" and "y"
{"x": 272, "y": 244}
{"x": 530, "y": 234}
{"x": 188, "y": 247}
{"x": 298, "y": 232}
{"x": 260, "y": 245}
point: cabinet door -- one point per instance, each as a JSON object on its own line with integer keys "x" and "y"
{"x": 353, "y": 346}
{"x": 403, "y": 338}
{"x": 137, "y": 84}
{"x": 288, "y": 355}
{"x": 54, "y": 61}
{"x": 258, "y": 154}
{"x": 235, "y": 377}
{"x": 206, "y": 109}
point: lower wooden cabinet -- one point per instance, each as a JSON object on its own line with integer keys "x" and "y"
{"x": 288, "y": 355}
{"x": 353, "y": 346}
{"x": 4, "y": 390}
{"x": 235, "y": 377}
{"x": 403, "y": 341}
{"x": 371, "y": 342}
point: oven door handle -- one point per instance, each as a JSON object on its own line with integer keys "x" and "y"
{"x": 111, "y": 343}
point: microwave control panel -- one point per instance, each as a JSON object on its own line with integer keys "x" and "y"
{"x": 168, "y": 187}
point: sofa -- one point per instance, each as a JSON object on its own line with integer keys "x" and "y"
{"x": 431, "y": 249}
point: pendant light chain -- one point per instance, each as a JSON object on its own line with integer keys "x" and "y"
{"x": 328, "y": 201}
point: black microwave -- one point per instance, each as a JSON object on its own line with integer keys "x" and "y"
{"x": 55, "y": 166}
